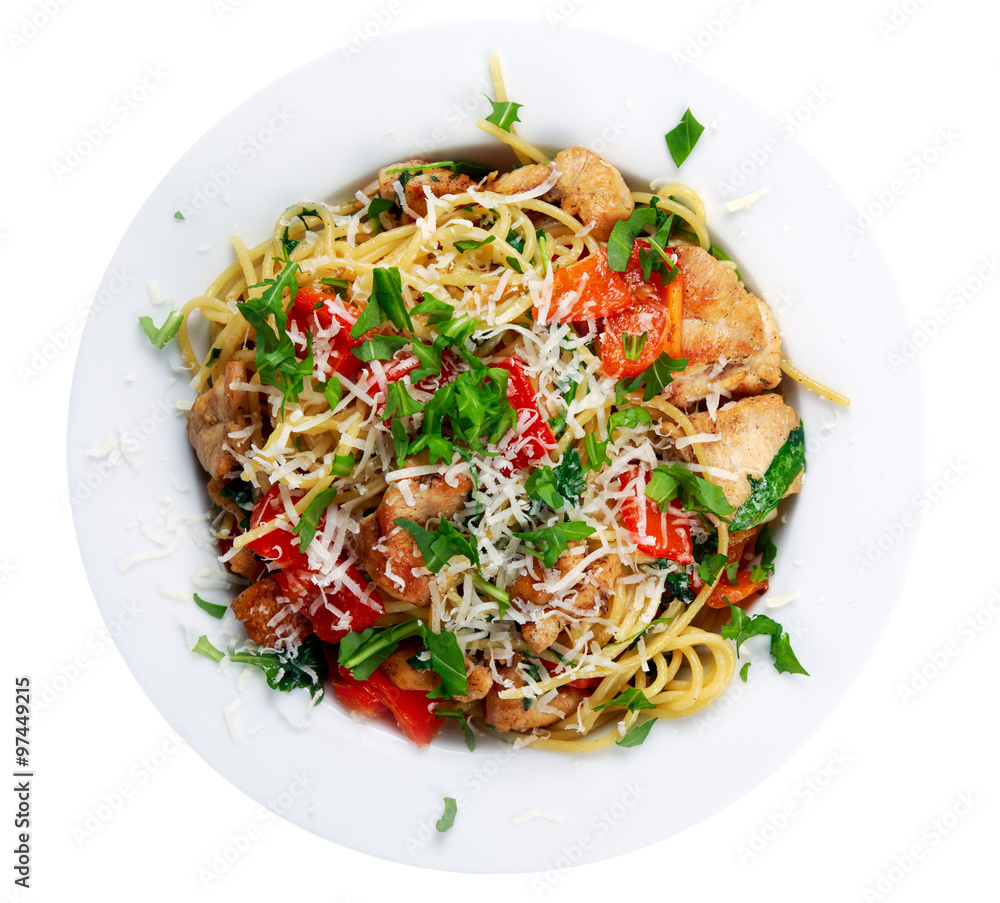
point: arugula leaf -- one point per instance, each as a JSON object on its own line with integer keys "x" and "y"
{"x": 767, "y": 492}
{"x": 597, "y": 452}
{"x": 216, "y": 611}
{"x": 635, "y": 636}
{"x": 204, "y": 647}
{"x": 332, "y": 391}
{"x": 633, "y": 344}
{"x": 343, "y": 465}
{"x": 447, "y": 661}
{"x": 459, "y": 716}
{"x": 744, "y": 671}
{"x": 446, "y": 821}
{"x": 339, "y": 286}
{"x": 629, "y": 419}
{"x": 768, "y": 551}
{"x": 742, "y": 627}
{"x": 697, "y": 494}
{"x": 678, "y": 585}
{"x": 461, "y": 167}
{"x": 543, "y": 486}
{"x": 305, "y": 529}
{"x": 682, "y": 138}
{"x": 385, "y": 303}
{"x": 632, "y": 699}
{"x": 289, "y": 244}
{"x": 514, "y": 264}
{"x": 501, "y": 597}
{"x": 439, "y": 546}
{"x": 400, "y": 441}
{"x": 570, "y": 480}
{"x": 376, "y": 208}
{"x": 430, "y": 361}
{"x": 240, "y": 491}
{"x": 304, "y": 666}
{"x": 656, "y": 377}
{"x": 380, "y": 347}
{"x": 558, "y": 423}
{"x": 504, "y": 114}
{"x": 179, "y": 215}
{"x": 471, "y": 244}
{"x": 709, "y": 568}
{"x": 549, "y": 543}
{"x": 638, "y": 733}
{"x": 436, "y": 311}
{"x": 399, "y": 402}
{"x": 159, "y": 336}
{"x": 624, "y": 234}
{"x": 362, "y": 652}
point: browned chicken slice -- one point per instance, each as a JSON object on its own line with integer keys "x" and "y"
{"x": 389, "y": 553}
{"x": 722, "y": 319}
{"x": 268, "y": 619}
{"x": 588, "y": 597}
{"x": 511, "y": 715}
{"x": 751, "y": 431}
{"x": 216, "y": 414}
{"x": 399, "y": 670}
{"x": 524, "y": 178}
{"x": 439, "y": 181}
{"x": 592, "y": 189}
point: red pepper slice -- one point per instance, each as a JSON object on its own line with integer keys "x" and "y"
{"x": 665, "y": 535}
{"x": 742, "y": 594}
{"x": 411, "y": 708}
{"x": 600, "y": 291}
{"x": 298, "y": 585}
{"x": 581, "y": 683}
{"x": 278, "y": 545}
{"x": 534, "y": 438}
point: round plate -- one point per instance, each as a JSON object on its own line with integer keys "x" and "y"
{"x": 319, "y": 134}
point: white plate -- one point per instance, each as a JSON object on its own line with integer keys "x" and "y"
{"x": 321, "y": 132}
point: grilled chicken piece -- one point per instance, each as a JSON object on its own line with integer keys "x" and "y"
{"x": 268, "y": 619}
{"x": 216, "y": 414}
{"x": 751, "y": 430}
{"x": 398, "y": 669}
{"x": 439, "y": 181}
{"x": 510, "y": 714}
{"x": 589, "y": 596}
{"x": 524, "y": 178}
{"x": 389, "y": 553}
{"x": 723, "y": 320}
{"x": 592, "y": 189}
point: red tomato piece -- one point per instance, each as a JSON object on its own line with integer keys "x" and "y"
{"x": 742, "y": 594}
{"x": 534, "y": 438}
{"x": 279, "y": 545}
{"x": 298, "y": 585}
{"x": 662, "y": 534}
{"x": 411, "y": 708}
{"x": 312, "y": 312}
{"x": 599, "y": 290}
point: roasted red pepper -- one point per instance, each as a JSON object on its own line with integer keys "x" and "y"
{"x": 534, "y": 438}
{"x": 312, "y": 312}
{"x": 413, "y": 712}
{"x": 664, "y": 535}
{"x": 298, "y": 585}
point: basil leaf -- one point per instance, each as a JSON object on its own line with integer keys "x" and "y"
{"x": 216, "y": 611}
{"x": 767, "y": 492}
{"x": 632, "y": 699}
{"x": 447, "y": 821}
{"x": 504, "y": 114}
{"x": 638, "y": 733}
{"x": 305, "y": 529}
{"x": 550, "y": 542}
{"x": 624, "y": 234}
{"x": 683, "y": 137}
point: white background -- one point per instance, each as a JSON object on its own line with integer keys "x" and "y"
{"x": 895, "y": 797}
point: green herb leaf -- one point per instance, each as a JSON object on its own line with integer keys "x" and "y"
{"x": 446, "y": 821}
{"x": 633, "y": 344}
{"x": 632, "y": 699}
{"x": 399, "y": 402}
{"x": 597, "y": 452}
{"x": 501, "y": 597}
{"x": 624, "y": 234}
{"x": 178, "y": 215}
{"x": 400, "y": 441}
{"x": 204, "y": 647}
{"x": 709, "y": 568}
{"x": 682, "y": 138}
{"x": 472, "y": 244}
{"x": 449, "y": 663}
{"x": 439, "y": 546}
{"x": 339, "y": 286}
{"x": 542, "y": 486}
{"x": 768, "y": 551}
{"x": 376, "y": 208}
{"x": 380, "y": 347}
{"x": 216, "y": 611}
{"x": 459, "y": 716}
{"x": 343, "y": 465}
{"x": 303, "y": 666}
{"x": 744, "y": 671}
{"x": 549, "y": 543}
{"x": 159, "y": 336}
{"x": 656, "y": 377}
{"x": 697, "y": 494}
{"x": 768, "y": 491}
{"x": 436, "y": 311}
{"x": 784, "y": 659}
{"x": 240, "y": 491}
{"x": 504, "y": 114}
{"x": 629, "y": 419}
{"x": 570, "y": 480}
{"x": 332, "y": 391}
{"x": 305, "y": 529}
{"x": 638, "y": 733}
{"x": 742, "y": 627}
